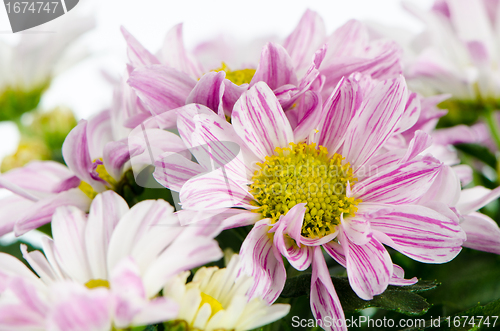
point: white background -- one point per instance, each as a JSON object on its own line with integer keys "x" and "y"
{"x": 83, "y": 88}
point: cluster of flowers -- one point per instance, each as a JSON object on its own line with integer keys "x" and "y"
{"x": 319, "y": 146}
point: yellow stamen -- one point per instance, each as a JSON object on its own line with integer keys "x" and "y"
{"x": 95, "y": 283}
{"x": 303, "y": 173}
{"x": 238, "y": 77}
{"x": 87, "y": 189}
{"x": 214, "y": 304}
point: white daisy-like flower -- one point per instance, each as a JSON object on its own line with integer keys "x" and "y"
{"x": 216, "y": 299}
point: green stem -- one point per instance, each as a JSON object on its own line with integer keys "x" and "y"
{"x": 493, "y": 126}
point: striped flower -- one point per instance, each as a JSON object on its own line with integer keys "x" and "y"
{"x": 216, "y": 299}
{"x": 327, "y": 183}
{"x": 103, "y": 269}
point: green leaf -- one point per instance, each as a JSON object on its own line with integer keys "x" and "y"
{"x": 400, "y": 299}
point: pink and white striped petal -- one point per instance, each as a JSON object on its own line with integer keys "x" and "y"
{"x": 261, "y": 259}
{"x": 173, "y": 170}
{"x": 421, "y": 233}
{"x": 161, "y": 88}
{"x": 174, "y": 54}
{"x": 137, "y": 54}
{"x": 325, "y": 302}
{"x": 75, "y": 308}
{"x": 41, "y": 212}
{"x": 357, "y": 229}
{"x": 105, "y": 212}
{"x": 275, "y": 67}
{"x": 76, "y": 155}
{"x": 184, "y": 254}
{"x": 369, "y": 267}
{"x": 287, "y": 238}
{"x": 260, "y": 121}
{"x": 68, "y": 229}
{"x": 338, "y": 111}
{"x": 41, "y": 176}
{"x": 305, "y": 39}
{"x": 378, "y": 117}
{"x": 405, "y": 184}
{"x": 132, "y": 307}
{"x": 209, "y": 92}
{"x": 10, "y": 207}
{"x": 214, "y": 190}
{"x": 482, "y": 232}
{"x": 476, "y": 198}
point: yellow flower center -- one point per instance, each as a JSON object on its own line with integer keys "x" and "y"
{"x": 103, "y": 174}
{"x": 303, "y": 173}
{"x": 214, "y": 304}
{"x": 238, "y": 77}
{"x": 95, "y": 283}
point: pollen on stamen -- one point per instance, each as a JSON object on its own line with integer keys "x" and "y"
{"x": 304, "y": 173}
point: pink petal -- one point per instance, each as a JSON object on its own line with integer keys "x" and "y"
{"x": 287, "y": 238}
{"x": 76, "y": 154}
{"x": 115, "y": 155}
{"x": 338, "y": 111}
{"x": 262, "y": 260}
{"x": 38, "y": 262}
{"x": 138, "y": 231}
{"x": 398, "y": 277}
{"x": 308, "y": 115}
{"x": 173, "y": 170}
{"x": 105, "y": 212}
{"x": 175, "y": 55}
{"x": 405, "y": 184}
{"x": 377, "y": 119}
{"x": 99, "y": 133}
{"x": 41, "y": 176}
{"x": 275, "y": 67}
{"x": 41, "y": 212}
{"x": 369, "y": 267}
{"x": 445, "y": 189}
{"x": 325, "y": 303}
{"x": 209, "y": 92}
{"x": 420, "y": 233}
{"x": 305, "y": 39}
{"x": 482, "y": 233}
{"x": 10, "y": 207}
{"x": 476, "y": 198}
{"x": 161, "y": 88}
{"x": 77, "y": 309}
{"x": 11, "y": 267}
{"x": 137, "y": 54}
{"x": 216, "y": 189}
{"x": 411, "y": 113}
{"x": 68, "y": 229}
{"x": 357, "y": 229}
{"x": 260, "y": 121}
{"x": 213, "y": 142}
{"x": 184, "y": 254}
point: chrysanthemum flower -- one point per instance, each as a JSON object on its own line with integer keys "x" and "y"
{"x": 323, "y": 185}
{"x": 216, "y": 299}
{"x": 126, "y": 254}
{"x": 96, "y": 152}
{"x": 26, "y": 69}
{"x": 307, "y": 62}
{"x": 458, "y": 52}
{"x": 482, "y": 232}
